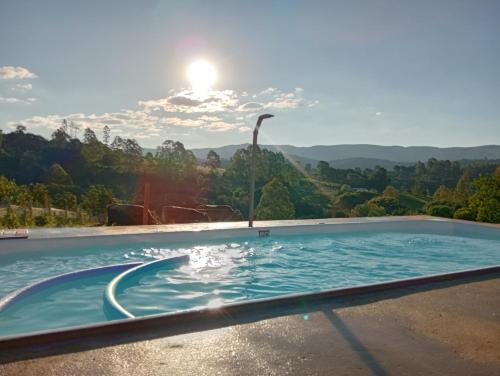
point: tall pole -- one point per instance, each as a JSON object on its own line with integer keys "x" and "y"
{"x": 252, "y": 168}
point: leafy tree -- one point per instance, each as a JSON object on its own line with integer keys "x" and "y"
{"x": 89, "y": 136}
{"x": 60, "y": 137}
{"x": 378, "y": 179}
{"x": 21, "y": 129}
{"x": 391, "y": 191}
{"x": 66, "y": 201}
{"x": 213, "y": 160}
{"x": 174, "y": 158}
{"x": 10, "y": 219}
{"x": 486, "y": 200}
{"x": 106, "y": 134}
{"x": 40, "y": 195}
{"x": 95, "y": 200}
{"x": 57, "y": 175}
{"x": 443, "y": 194}
{"x": 275, "y": 202}
{"x": 8, "y": 189}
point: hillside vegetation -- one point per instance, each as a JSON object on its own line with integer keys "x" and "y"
{"x": 82, "y": 177}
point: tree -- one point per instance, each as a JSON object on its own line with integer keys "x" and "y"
{"x": 486, "y": 200}
{"x": 390, "y": 191}
{"x": 213, "y": 160}
{"x": 443, "y": 194}
{"x": 57, "y": 175}
{"x": 60, "y": 137}
{"x": 40, "y": 195}
{"x": 8, "y": 189}
{"x": 106, "y": 134}
{"x": 95, "y": 200}
{"x": 66, "y": 201}
{"x": 174, "y": 159}
{"x": 10, "y": 220}
{"x": 378, "y": 179}
{"x": 89, "y": 136}
{"x": 20, "y": 129}
{"x": 275, "y": 202}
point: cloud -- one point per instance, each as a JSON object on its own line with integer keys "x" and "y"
{"x": 17, "y": 100}
{"x": 378, "y": 113}
{"x": 251, "y": 106}
{"x": 22, "y": 87}
{"x": 216, "y": 111}
{"x": 10, "y": 73}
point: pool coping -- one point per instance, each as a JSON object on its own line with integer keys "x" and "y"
{"x": 141, "y": 324}
{"x": 104, "y": 231}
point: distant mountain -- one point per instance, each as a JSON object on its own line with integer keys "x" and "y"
{"x": 365, "y": 156}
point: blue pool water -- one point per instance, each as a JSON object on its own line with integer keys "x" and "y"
{"x": 220, "y": 272}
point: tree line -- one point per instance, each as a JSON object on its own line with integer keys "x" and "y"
{"x": 76, "y": 179}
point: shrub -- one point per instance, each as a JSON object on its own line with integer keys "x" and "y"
{"x": 43, "y": 220}
{"x": 465, "y": 213}
{"x": 10, "y": 220}
{"x": 340, "y": 214}
{"x": 440, "y": 211}
{"x": 367, "y": 210}
{"x": 390, "y": 204}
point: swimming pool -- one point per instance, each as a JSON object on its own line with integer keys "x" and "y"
{"x": 225, "y": 267}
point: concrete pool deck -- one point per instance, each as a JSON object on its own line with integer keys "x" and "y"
{"x": 444, "y": 328}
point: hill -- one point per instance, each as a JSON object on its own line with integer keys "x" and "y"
{"x": 366, "y": 156}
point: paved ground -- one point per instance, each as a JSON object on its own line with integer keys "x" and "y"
{"x": 443, "y": 329}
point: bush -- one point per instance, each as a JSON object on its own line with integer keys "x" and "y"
{"x": 43, "y": 220}
{"x": 367, "y": 210}
{"x": 465, "y": 213}
{"x": 349, "y": 200}
{"x": 10, "y": 220}
{"x": 390, "y": 204}
{"x": 440, "y": 211}
{"x": 26, "y": 219}
{"x": 340, "y": 214}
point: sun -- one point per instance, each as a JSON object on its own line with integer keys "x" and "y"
{"x": 202, "y": 75}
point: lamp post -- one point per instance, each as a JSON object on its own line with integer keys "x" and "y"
{"x": 252, "y": 167}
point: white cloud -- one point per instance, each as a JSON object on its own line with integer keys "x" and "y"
{"x": 251, "y": 106}
{"x": 17, "y": 100}
{"x": 378, "y": 113}
{"x": 217, "y": 111}
{"x": 22, "y": 87}
{"x": 10, "y": 73}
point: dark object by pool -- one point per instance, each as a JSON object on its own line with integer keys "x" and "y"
{"x": 178, "y": 214}
{"x": 128, "y": 215}
{"x": 221, "y": 213}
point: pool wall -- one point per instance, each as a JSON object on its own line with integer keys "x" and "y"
{"x": 395, "y": 224}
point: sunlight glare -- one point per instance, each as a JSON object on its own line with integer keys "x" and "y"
{"x": 202, "y": 75}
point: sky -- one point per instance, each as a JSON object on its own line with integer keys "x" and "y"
{"x": 332, "y": 72}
